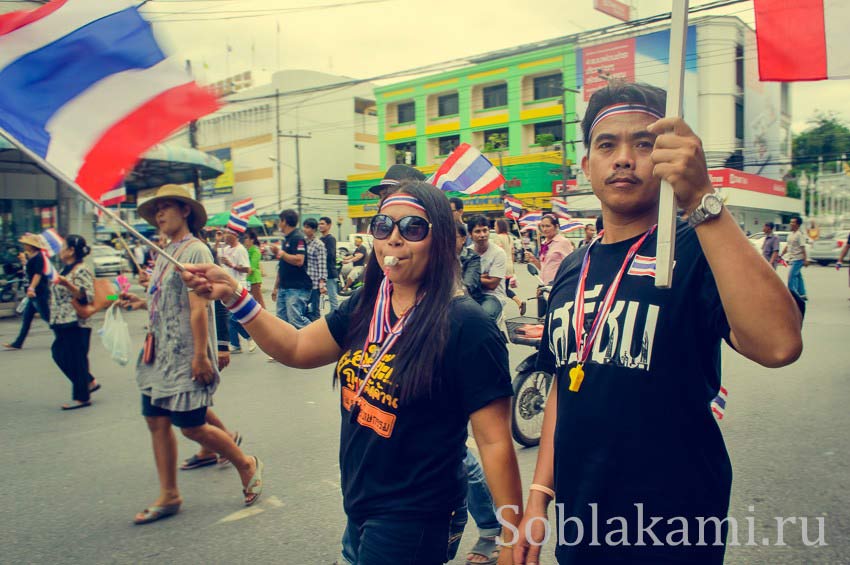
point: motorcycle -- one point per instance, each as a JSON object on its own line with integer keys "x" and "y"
{"x": 531, "y": 387}
{"x": 343, "y": 269}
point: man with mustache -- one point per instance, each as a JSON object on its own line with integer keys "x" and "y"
{"x": 628, "y": 434}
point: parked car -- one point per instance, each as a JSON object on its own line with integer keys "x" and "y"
{"x": 827, "y": 248}
{"x": 757, "y": 241}
{"x": 108, "y": 261}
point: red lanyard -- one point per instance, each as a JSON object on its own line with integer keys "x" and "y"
{"x": 584, "y": 342}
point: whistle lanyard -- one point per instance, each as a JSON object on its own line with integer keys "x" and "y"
{"x": 585, "y": 341}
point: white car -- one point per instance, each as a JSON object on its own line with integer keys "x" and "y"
{"x": 108, "y": 261}
{"x": 827, "y": 248}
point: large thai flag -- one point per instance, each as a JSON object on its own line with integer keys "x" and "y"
{"x": 244, "y": 208}
{"x": 84, "y": 84}
{"x": 802, "y": 39}
{"x": 467, "y": 171}
{"x": 513, "y": 208}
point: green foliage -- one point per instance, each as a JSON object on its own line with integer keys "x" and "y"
{"x": 828, "y": 137}
{"x": 496, "y": 142}
{"x": 546, "y": 140}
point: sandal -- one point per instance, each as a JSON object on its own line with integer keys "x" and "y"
{"x": 487, "y": 548}
{"x": 522, "y": 307}
{"x": 222, "y": 460}
{"x": 75, "y": 405}
{"x": 195, "y": 462}
{"x": 95, "y": 388}
{"x": 255, "y": 485}
{"x": 155, "y": 513}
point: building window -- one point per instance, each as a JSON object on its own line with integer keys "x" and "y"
{"x": 407, "y": 112}
{"x": 739, "y": 66}
{"x": 365, "y": 106}
{"x": 495, "y": 96}
{"x": 556, "y": 129}
{"x": 447, "y": 105}
{"x": 496, "y": 139}
{"x": 405, "y": 153}
{"x": 548, "y": 86}
{"x": 447, "y": 144}
{"x": 336, "y": 187}
{"x": 739, "y": 122}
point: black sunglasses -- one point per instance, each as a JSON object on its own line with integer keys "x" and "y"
{"x": 411, "y": 228}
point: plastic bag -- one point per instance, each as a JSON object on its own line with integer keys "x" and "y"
{"x": 115, "y": 335}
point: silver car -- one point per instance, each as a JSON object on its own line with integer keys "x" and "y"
{"x": 107, "y": 261}
{"x": 827, "y": 248}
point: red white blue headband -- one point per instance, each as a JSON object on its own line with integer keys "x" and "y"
{"x": 617, "y": 109}
{"x": 401, "y": 199}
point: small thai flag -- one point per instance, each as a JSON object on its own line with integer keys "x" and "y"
{"x": 570, "y": 226}
{"x": 467, "y": 171}
{"x": 718, "y": 405}
{"x": 244, "y": 208}
{"x": 237, "y": 224}
{"x": 642, "y": 266}
{"x": 114, "y": 197}
{"x": 49, "y": 271}
{"x": 54, "y": 241}
{"x": 559, "y": 208}
{"x": 531, "y": 217}
{"x": 513, "y": 208}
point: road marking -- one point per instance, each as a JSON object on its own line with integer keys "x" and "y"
{"x": 273, "y": 501}
{"x": 242, "y": 514}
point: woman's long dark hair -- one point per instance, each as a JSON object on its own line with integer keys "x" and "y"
{"x": 420, "y": 348}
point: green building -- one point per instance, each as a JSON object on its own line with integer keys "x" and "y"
{"x": 506, "y": 106}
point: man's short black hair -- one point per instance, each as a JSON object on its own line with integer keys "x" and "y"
{"x": 618, "y": 92}
{"x": 461, "y": 229}
{"x": 290, "y": 216}
{"x": 770, "y": 225}
{"x": 478, "y": 220}
{"x": 458, "y": 203}
{"x": 798, "y": 218}
{"x": 311, "y": 223}
{"x": 327, "y": 220}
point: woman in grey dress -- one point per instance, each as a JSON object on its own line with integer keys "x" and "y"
{"x": 177, "y": 371}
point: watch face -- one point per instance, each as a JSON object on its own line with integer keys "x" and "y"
{"x": 713, "y": 205}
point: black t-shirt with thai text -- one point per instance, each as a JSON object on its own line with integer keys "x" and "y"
{"x": 291, "y": 276}
{"x": 405, "y": 460}
{"x": 640, "y": 430}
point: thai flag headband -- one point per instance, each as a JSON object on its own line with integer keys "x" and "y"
{"x": 617, "y": 109}
{"x": 401, "y": 199}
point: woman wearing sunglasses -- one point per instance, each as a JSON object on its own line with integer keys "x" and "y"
{"x": 416, "y": 360}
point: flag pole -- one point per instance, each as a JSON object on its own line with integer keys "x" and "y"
{"x": 41, "y": 162}
{"x": 667, "y": 201}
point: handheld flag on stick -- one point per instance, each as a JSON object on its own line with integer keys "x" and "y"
{"x": 513, "y": 208}
{"x": 85, "y": 89}
{"x": 467, "y": 171}
{"x": 114, "y": 197}
{"x": 560, "y": 209}
{"x": 570, "y": 225}
{"x": 244, "y": 208}
{"x": 54, "y": 241}
{"x": 49, "y": 272}
{"x": 531, "y": 220}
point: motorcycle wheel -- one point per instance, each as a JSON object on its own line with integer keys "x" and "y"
{"x": 7, "y": 294}
{"x": 531, "y": 389}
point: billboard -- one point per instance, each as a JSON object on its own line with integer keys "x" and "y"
{"x": 222, "y": 184}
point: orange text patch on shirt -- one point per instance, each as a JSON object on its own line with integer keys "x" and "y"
{"x": 377, "y": 420}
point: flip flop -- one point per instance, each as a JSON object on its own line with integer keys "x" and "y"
{"x": 255, "y": 485}
{"x": 76, "y": 405}
{"x": 195, "y": 462}
{"x": 223, "y": 461}
{"x": 95, "y": 388}
{"x": 155, "y": 513}
{"x": 486, "y": 548}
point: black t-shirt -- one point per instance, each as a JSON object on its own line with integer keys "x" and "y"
{"x": 640, "y": 429}
{"x": 291, "y": 276}
{"x": 406, "y": 460}
{"x": 364, "y": 254}
{"x": 330, "y": 247}
{"x": 35, "y": 266}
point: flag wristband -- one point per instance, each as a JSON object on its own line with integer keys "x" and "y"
{"x": 244, "y": 309}
{"x": 543, "y": 489}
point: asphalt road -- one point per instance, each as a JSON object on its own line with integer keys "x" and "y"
{"x": 73, "y": 481}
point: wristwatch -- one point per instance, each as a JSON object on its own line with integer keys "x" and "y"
{"x": 709, "y": 208}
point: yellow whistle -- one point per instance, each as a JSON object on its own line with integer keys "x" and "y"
{"x": 576, "y": 376}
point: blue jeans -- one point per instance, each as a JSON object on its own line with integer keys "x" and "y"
{"x": 40, "y": 304}
{"x": 492, "y": 305}
{"x": 236, "y": 330}
{"x": 378, "y": 541}
{"x": 479, "y": 499}
{"x": 314, "y": 311}
{"x": 795, "y": 278}
{"x": 333, "y": 292}
{"x": 292, "y": 306}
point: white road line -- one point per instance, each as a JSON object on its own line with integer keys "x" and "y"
{"x": 242, "y": 514}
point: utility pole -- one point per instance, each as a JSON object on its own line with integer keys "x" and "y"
{"x": 565, "y": 172}
{"x": 277, "y": 143}
{"x": 297, "y": 137}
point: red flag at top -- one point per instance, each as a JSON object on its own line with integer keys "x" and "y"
{"x": 802, "y": 39}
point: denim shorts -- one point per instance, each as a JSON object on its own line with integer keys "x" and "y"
{"x": 191, "y": 419}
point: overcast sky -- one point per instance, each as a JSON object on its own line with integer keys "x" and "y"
{"x": 365, "y": 38}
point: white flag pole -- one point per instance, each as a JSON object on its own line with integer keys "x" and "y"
{"x": 667, "y": 203}
{"x": 64, "y": 178}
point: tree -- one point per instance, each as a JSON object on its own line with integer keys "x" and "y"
{"x": 827, "y": 137}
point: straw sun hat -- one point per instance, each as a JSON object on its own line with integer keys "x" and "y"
{"x": 147, "y": 209}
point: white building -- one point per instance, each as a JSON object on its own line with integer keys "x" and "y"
{"x": 337, "y": 134}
